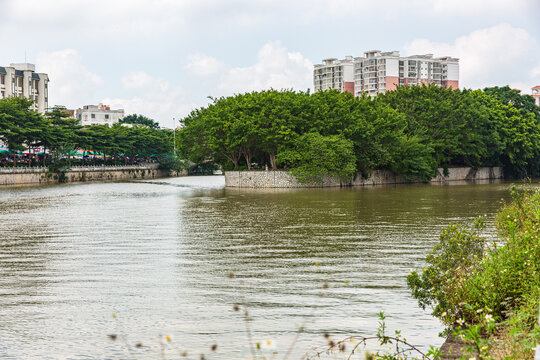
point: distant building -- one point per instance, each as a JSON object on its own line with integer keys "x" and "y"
{"x": 98, "y": 115}
{"x": 334, "y": 74}
{"x": 22, "y": 80}
{"x": 69, "y": 112}
{"x": 376, "y": 72}
{"x": 536, "y": 95}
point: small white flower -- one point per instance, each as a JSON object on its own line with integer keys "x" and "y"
{"x": 479, "y": 311}
{"x": 443, "y": 314}
{"x": 460, "y": 321}
{"x": 489, "y": 317}
{"x": 266, "y": 345}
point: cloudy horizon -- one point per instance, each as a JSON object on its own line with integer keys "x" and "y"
{"x": 164, "y": 58}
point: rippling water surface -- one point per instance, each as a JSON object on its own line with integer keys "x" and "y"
{"x": 157, "y": 254}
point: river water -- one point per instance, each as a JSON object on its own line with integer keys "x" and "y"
{"x": 159, "y": 256}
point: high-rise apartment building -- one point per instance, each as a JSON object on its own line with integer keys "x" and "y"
{"x": 98, "y": 115}
{"x": 536, "y": 95}
{"x": 376, "y": 72}
{"x": 22, "y": 80}
{"x": 334, "y": 74}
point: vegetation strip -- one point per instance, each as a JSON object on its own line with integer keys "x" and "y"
{"x": 411, "y": 131}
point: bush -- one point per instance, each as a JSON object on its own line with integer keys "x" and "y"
{"x": 468, "y": 279}
{"x": 315, "y": 156}
{"x": 442, "y": 283}
{"x": 171, "y": 163}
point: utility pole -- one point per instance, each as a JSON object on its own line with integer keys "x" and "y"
{"x": 174, "y": 135}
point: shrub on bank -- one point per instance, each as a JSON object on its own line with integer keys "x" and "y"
{"x": 468, "y": 278}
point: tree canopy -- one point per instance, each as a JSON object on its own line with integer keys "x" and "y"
{"x": 139, "y": 120}
{"x": 21, "y": 128}
{"x": 410, "y": 131}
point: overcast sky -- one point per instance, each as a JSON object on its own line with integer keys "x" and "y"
{"x": 163, "y": 58}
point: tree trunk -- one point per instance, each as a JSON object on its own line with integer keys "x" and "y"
{"x": 234, "y": 157}
{"x": 272, "y": 157}
{"x": 247, "y": 156}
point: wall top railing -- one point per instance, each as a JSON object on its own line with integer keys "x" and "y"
{"x": 38, "y": 169}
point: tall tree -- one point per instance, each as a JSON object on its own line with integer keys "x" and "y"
{"x": 137, "y": 119}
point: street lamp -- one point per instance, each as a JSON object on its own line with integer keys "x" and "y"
{"x": 174, "y": 135}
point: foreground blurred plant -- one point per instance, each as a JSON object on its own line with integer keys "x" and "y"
{"x": 398, "y": 347}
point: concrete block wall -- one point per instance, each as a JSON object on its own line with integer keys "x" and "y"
{"x": 467, "y": 173}
{"x": 283, "y": 179}
{"x": 36, "y": 176}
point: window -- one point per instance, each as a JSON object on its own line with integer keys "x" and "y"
{"x": 93, "y": 116}
{"x": 106, "y": 116}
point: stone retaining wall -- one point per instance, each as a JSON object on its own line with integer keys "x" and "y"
{"x": 283, "y": 179}
{"x": 37, "y": 176}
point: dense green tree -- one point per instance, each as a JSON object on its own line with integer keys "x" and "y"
{"x": 524, "y": 103}
{"x": 137, "y": 119}
{"x": 315, "y": 156}
{"x": 61, "y": 132}
{"x": 56, "y": 131}
{"x": 410, "y": 131}
{"x": 20, "y": 126}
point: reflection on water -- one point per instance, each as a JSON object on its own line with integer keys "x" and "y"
{"x": 157, "y": 253}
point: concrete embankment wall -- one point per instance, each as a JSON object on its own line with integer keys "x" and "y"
{"x": 283, "y": 179}
{"x": 36, "y": 176}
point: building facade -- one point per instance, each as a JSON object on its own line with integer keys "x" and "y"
{"x": 377, "y": 72}
{"x": 22, "y": 80}
{"x": 98, "y": 115}
{"x": 334, "y": 74}
{"x": 536, "y": 95}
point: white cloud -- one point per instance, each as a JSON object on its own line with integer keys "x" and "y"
{"x": 535, "y": 72}
{"x": 203, "y": 65}
{"x": 137, "y": 80}
{"x": 155, "y": 98}
{"x": 476, "y": 7}
{"x": 70, "y": 80}
{"x": 119, "y": 19}
{"x": 494, "y": 56}
{"x": 275, "y": 68}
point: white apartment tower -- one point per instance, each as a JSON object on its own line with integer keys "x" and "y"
{"x": 98, "y": 115}
{"x": 376, "y": 72}
{"x": 334, "y": 74}
{"x": 22, "y": 80}
{"x": 536, "y": 95}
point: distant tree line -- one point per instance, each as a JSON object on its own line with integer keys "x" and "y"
{"x": 60, "y": 135}
{"x": 410, "y": 131}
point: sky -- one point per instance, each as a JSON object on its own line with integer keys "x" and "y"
{"x": 165, "y": 58}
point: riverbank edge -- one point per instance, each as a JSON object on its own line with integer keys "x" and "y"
{"x": 42, "y": 175}
{"x": 284, "y": 179}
